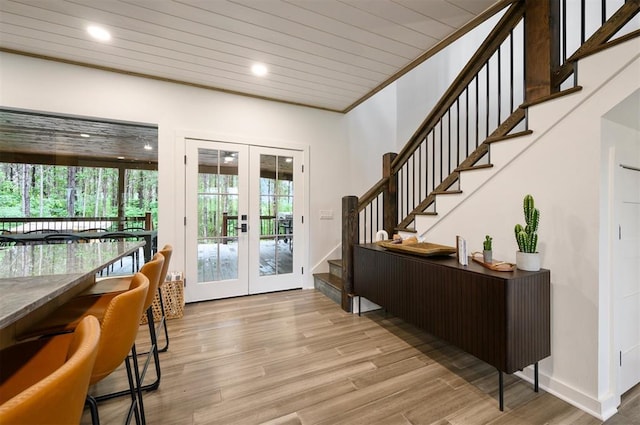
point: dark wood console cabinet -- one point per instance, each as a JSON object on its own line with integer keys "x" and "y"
{"x": 502, "y": 318}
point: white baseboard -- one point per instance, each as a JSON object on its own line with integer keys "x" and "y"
{"x": 600, "y": 409}
{"x": 364, "y": 304}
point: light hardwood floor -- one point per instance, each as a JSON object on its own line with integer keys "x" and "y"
{"x": 296, "y": 358}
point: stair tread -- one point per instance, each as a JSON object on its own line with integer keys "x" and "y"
{"x": 474, "y": 167}
{"x": 447, "y": 192}
{"x": 330, "y": 279}
{"x": 335, "y": 262}
{"x": 508, "y": 136}
{"x": 552, "y": 96}
{"x": 406, "y": 229}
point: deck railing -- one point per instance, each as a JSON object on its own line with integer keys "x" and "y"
{"x": 270, "y": 226}
{"x": 10, "y": 225}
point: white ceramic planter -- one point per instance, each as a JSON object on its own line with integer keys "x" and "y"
{"x": 529, "y": 261}
{"x": 487, "y": 256}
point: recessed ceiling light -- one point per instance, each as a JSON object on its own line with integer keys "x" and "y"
{"x": 98, "y": 33}
{"x": 147, "y": 147}
{"x": 120, "y": 157}
{"x": 84, "y": 135}
{"x": 259, "y": 69}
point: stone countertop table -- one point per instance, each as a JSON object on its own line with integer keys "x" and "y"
{"x": 34, "y": 279}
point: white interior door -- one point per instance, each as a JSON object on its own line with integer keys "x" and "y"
{"x": 276, "y": 195}
{"x": 627, "y": 274}
{"x": 217, "y": 183}
{"x": 244, "y": 225}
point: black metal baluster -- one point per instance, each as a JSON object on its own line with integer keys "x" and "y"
{"x": 499, "y": 86}
{"x": 466, "y": 118}
{"x": 511, "y": 87}
{"x": 458, "y": 132}
{"x": 448, "y": 141}
{"x": 477, "y": 110}
{"x": 413, "y": 188}
{"x": 377, "y": 224}
{"x": 564, "y": 32}
{"x": 420, "y": 170}
{"x": 488, "y": 105}
{"x": 441, "y": 151}
{"x": 583, "y": 21}
{"x": 407, "y": 189}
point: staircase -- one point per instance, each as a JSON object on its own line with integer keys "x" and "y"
{"x": 330, "y": 284}
{"x": 466, "y": 142}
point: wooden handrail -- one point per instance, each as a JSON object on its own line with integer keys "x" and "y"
{"x": 372, "y": 193}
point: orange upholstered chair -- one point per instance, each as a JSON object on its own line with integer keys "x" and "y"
{"x": 46, "y": 380}
{"x": 120, "y": 283}
{"x": 120, "y": 324}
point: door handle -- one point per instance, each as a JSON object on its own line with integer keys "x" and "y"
{"x": 242, "y": 228}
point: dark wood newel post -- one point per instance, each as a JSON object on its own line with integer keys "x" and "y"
{"x": 390, "y": 195}
{"x": 541, "y": 39}
{"x": 349, "y": 239}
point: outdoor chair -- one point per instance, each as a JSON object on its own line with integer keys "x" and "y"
{"x": 6, "y": 241}
{"x": 60, "y": 238}
{"x": 124, "y": 236}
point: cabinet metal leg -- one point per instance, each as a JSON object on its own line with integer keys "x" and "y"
{"x": 501, "y": 390}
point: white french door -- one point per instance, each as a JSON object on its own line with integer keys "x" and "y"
{"x": 276, "y": 239}
{"x": 243, "y": 220}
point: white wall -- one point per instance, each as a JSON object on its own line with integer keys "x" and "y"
{"x": 372, "y": 133}
{"x": 386, "y": 121}
{"x": 36, "y": 84}
{"x": 420, "y": 89}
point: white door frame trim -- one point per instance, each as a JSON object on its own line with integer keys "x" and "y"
{"x": 180, "y": 197}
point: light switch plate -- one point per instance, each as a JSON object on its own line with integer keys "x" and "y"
{"x": 326, "y": 214}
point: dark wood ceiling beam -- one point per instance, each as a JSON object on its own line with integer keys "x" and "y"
{"x": 53, "y": 159}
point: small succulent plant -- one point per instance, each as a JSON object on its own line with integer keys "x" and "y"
{"x": 486, "y": 245}
{"x": 527, "y": 236}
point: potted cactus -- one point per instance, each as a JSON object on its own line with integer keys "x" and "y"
{"x": 487, "y": 252}
{"x": 528, "y": 258}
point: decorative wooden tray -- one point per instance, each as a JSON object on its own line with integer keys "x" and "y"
{"x": 424, "y": 249}
{"x": 498, "y": 266}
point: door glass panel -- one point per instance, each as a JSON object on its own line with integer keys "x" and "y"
{"x": 217, "y": 215}
{"x": 276, "y": 215}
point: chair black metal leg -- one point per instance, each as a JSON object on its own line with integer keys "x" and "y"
{"x": 93, "y": 408}
{"x": 134, "y": 408}
{"x": 163, "y": 323}
{"x": 152, "y": 353}
{"x": 138, "y": 387}
{"x": 535, "y": 377}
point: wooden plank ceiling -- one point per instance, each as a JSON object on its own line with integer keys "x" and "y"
{"x": 321, "y": 53}
{"x": 328, "y": 54}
